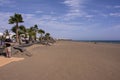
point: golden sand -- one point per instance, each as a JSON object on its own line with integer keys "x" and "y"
{"x": 4, "y": 61}
{"x": 66, "y": 60}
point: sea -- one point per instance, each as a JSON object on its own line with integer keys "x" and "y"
{"x": 100, "y": 41}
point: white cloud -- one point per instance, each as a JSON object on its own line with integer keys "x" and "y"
{"x": 89, "y": 16}
{"x": 4, "y": 21}
{"x": 46, "y": 17}
{"x": 113, "y": 7}
{"x": 73, "y": 3}
{"x": 112, "y": 32}
{"x": 2, "y": 2}
{"x": 118, "y": 6}
{"x": 52, "y": 13}
{"x": 6, "y": 2}
{"x": 62, "y": 29}
{"x": 117, "y": 14}
{"x": 38, "y": 11}
{"x": 75, "y": 9}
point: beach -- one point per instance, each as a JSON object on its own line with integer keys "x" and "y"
{"x": 66, "y": 60}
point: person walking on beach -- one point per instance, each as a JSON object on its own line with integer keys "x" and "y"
{"x": 8, "y": 50}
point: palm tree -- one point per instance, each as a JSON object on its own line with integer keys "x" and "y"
{"x": 31, "y": 33}
{"x": 17, "y": 18}
{"x": 35, "y": 28}
{"x": 47, "y": 36}
{"x": 13, "y": 29}
{"x": 21, "y": 30}
{"x": 40, "y": 31}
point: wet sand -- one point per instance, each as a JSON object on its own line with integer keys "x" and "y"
{"x": 66, "y": 60}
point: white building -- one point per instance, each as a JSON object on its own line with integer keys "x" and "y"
{"x": 1, "y": 34}
{"x": 11, "y": 34}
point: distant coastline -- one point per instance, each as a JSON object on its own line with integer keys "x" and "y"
{"x": 93, "y": 41}
{"x": 100, "y": 41}
{"x": 64, "y": 39}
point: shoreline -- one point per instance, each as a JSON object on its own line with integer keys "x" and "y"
{"x": 94, "y": 41}
{"x": 88, "y": 42}
{"x": 100, "y": 41}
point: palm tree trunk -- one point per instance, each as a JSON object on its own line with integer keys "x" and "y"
{"x": 35, "y": 37}
{"x": 17, "y": 36}
{"x": 41, "y": 37}
{"x": 19, "y": 39}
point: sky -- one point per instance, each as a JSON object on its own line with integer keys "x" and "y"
{"x": 67, "y": 19}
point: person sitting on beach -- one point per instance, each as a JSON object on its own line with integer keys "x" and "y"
{"x": 8, "y": 50}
